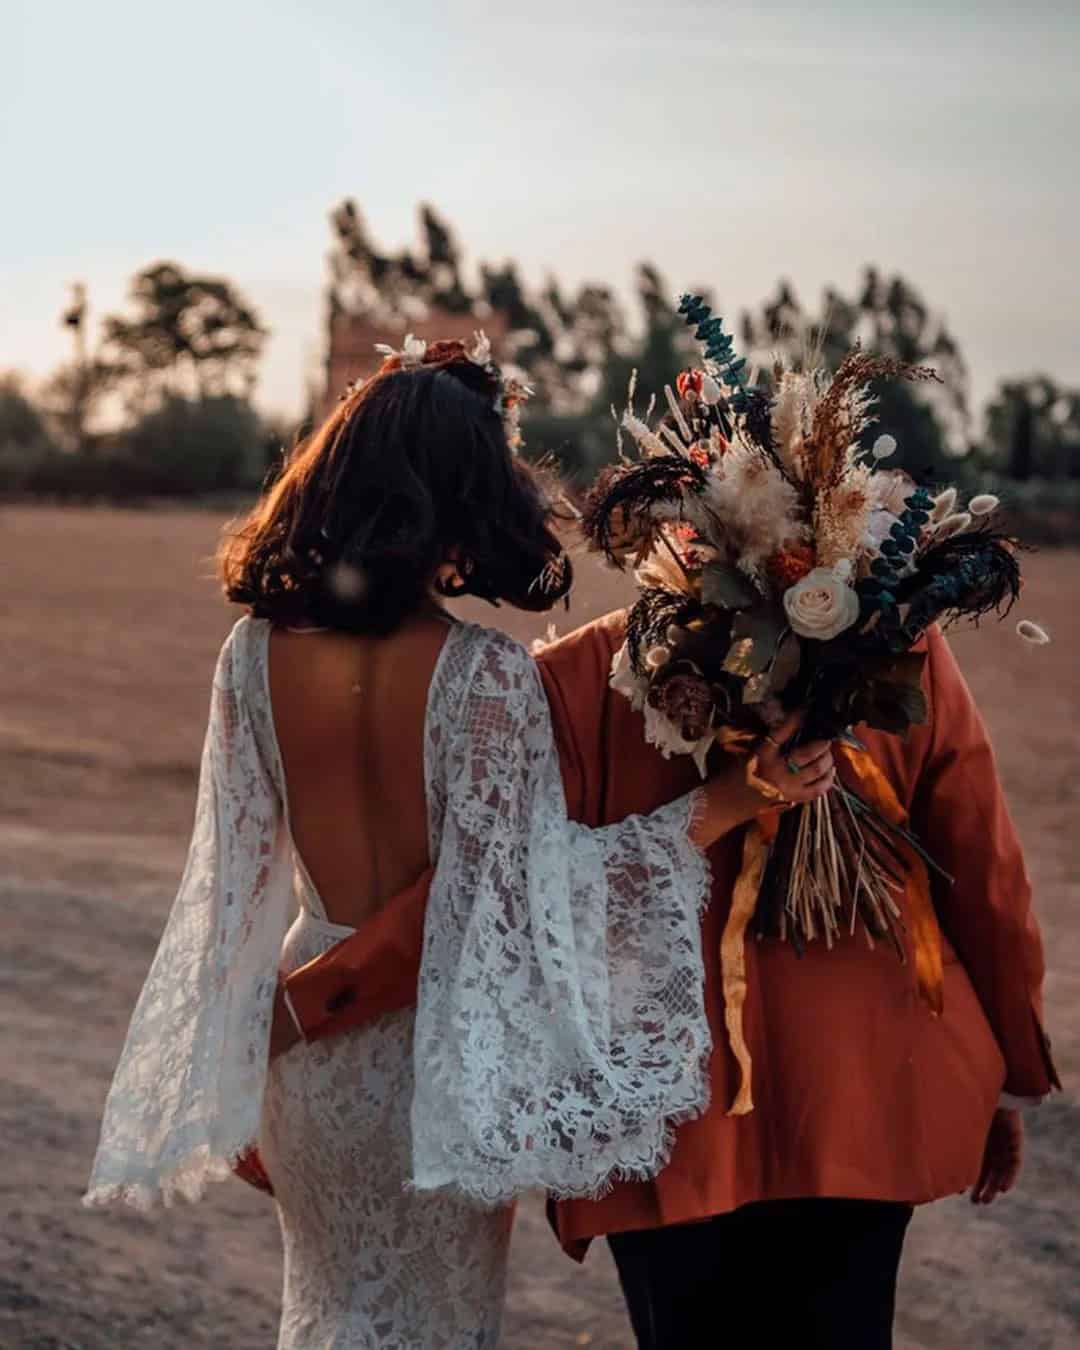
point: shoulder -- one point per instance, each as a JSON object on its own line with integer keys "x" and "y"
{"x": 583, "y": 656}
{"x": 944, "y": 680}
{"x": 234, "y": 659}
{"x": 487, "y": 661}
{"x": 479, "y": 643}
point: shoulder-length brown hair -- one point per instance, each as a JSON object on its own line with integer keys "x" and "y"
{"x": 409, "y": 472}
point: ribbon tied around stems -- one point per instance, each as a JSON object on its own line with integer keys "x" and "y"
{"x": 917, "y": 907}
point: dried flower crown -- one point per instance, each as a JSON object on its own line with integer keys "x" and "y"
{"x": 510, "y": 391}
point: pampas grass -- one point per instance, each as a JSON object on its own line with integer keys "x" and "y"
{"x": 843, "y": 412}
{"x": 752, "y": 508}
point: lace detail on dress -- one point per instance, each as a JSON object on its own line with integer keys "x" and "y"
{"x": 369, "y": 1264}
{"x": 561, "y": 1028}
{"x": 187, "y": 1095}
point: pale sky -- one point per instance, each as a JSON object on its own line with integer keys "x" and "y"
{"x": 730, "y": 143}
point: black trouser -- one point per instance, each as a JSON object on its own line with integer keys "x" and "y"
{"x": 806, "y": 1274}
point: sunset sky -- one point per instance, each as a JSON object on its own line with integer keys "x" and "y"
{"x": 730, "y": 143}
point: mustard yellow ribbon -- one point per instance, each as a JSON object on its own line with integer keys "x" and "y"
{"x": 918, "y": 907}
{"x": 733, "y": 959}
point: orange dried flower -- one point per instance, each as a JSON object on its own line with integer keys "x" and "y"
{"x": 684, "y": 538}
{"x": 791, "y": 563}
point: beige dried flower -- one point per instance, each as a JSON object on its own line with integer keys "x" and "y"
{"x": 1033, "y": 633}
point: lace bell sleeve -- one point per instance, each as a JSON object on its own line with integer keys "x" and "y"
{"x": 186, "y": 1097}
{"x": 561, "y": 1029}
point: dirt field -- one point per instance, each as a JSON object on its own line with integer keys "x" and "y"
{"x": 108, "y": 630}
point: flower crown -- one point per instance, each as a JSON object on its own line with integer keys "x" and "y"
{"x": 510, "y": 393}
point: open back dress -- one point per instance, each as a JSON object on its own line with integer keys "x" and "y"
{"x": 559, "y": 1034}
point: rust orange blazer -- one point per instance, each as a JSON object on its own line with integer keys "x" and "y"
{"x": 859, "y": 1090}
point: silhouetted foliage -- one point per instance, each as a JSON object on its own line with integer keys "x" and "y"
{"x": 22, "y": 424}
{"x": 183, "y": 363}
{"x": 189, "y": 336}
{"x": 193, "y": 447}
{"x": 72, "y": 399}
{"x": 931, "y": 423}
{"x": 182, "y": 367}
{"x": 578, "y": 349}
{"x": 1033, "y": 430}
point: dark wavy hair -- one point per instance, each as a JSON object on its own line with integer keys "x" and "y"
{"x": 411, "y": 471}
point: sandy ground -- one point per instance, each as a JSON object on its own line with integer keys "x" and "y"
{"x": 109, "y": 626}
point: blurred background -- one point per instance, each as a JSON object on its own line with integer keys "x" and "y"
{"x": 210, "y": 217}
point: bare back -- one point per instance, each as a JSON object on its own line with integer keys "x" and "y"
{"x": 349, "y": 716}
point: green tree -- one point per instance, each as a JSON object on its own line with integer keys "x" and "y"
{"x": 1033, "y": 430}
{"x": 74, "y": 396}
{"x": 606, "y": 351}
{"x": 191, "y": 447}
{"x": 188, "y": 336}
{"x": 579, "y": 349}
{"x": 22, "y": 423}
{"x": 444, "y": 264}
{"x": 932, "y": 423}
{"x": 363, "y": 280}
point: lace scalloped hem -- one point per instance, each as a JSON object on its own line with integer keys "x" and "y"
{"x": 186, "y": 1181}
{"x": 480, "y": 1189}
{"x": 452, "y": 1183}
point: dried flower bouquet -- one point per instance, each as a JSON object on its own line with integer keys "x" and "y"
{"x": 781, "y": 565}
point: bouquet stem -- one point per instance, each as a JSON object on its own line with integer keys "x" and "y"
{"x": 835, "y": 863}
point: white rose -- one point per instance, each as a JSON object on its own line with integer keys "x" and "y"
{"x": 822, "y": 605}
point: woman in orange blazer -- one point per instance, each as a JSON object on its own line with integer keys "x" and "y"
{"x": 790, "y": 1219}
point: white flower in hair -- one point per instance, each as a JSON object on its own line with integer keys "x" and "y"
{"x": 412, "y": 353}
{"x": 515, "y": 390}
{"x": 478, "y": 349}
{"x": 511, "y": 394}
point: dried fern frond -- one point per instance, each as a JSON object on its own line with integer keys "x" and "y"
{"x": 618, "y": 514}
{"x": 840, "y": 413}
{"x": 662, "y": 568}
{"x": 792, "y": 415}
{"x": 841, "y": 514}
{"x": 964, "y": 577}
{"x": 649, "y": 618}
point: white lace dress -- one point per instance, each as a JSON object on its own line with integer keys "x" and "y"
{"x": 369, "y": 1263}
{"x": 559, "y": 1034}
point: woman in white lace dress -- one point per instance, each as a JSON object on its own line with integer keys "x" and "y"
{"x": 356, "y": 732}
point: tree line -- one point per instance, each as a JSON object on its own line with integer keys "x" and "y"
{"x": 157, "y": 400}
